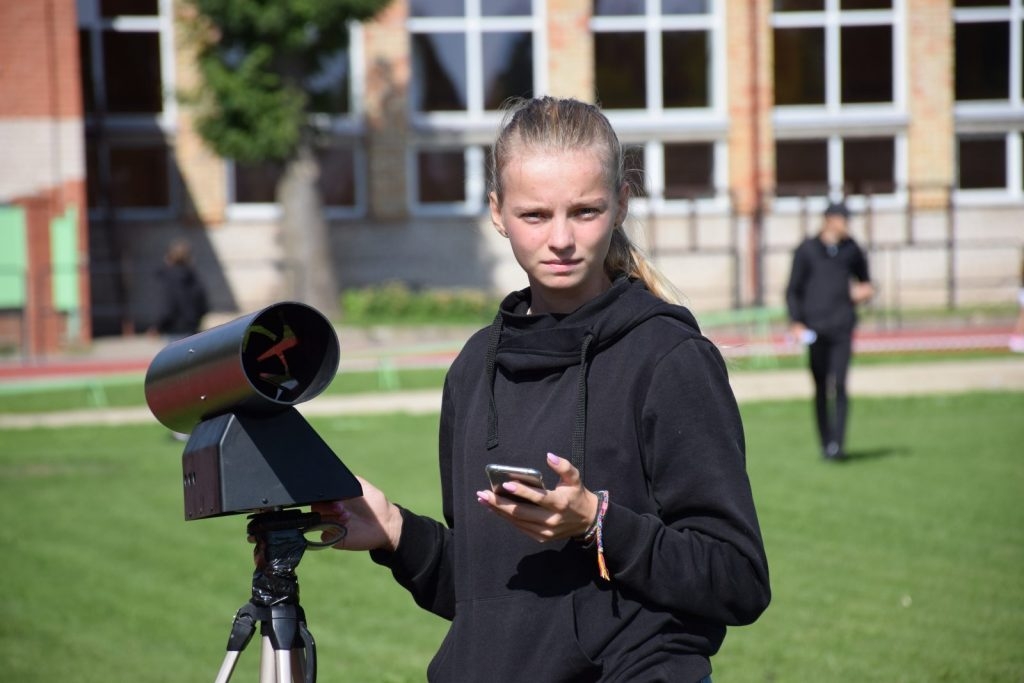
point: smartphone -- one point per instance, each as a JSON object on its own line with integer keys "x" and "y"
{"x": 499, "y": 474}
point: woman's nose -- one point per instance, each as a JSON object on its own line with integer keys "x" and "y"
{"x": 561, "y": 236}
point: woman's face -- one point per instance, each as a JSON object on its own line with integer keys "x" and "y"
{"x": 558, "y": 213}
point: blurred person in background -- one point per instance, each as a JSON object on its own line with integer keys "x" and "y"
{"x": 828, "y": 280}
{"x": 182, "y": 300}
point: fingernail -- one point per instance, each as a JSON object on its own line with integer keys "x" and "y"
{"x": 553, "y": 459}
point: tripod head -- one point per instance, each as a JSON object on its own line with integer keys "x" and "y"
{"x": 280, "y": 544}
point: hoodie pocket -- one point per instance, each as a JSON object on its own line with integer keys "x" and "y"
{"x": 513, "y": 638}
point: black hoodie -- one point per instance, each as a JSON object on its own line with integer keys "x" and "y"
{"x": 628, "y": 388}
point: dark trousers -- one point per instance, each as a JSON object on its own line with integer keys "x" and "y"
{"x": 830, "y": 361}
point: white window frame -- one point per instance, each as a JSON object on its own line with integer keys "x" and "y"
{"x": 135, "y": 129}
{"x": 655, "y": 124}
{"x": 475, "y": 126}
{"x": 835, "y": 121}
{"x": 996, "y": 116}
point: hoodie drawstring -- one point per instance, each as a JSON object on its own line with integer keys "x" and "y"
{"x": 494, "y": 336}
{"x": 579, "y": 432}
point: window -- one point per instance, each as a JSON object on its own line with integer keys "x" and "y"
{"x": 838, "y": 71}
{"x": 989, "y": 91}
{"x": 468, "y": 58}
{"x": 655, "y": 55}
{"x": 129, "y": 107}
{"x": 257, "y": 183}
{"x": 848, "y": 166}
{"x": 659, "y": 70}
{"x": 981, "y": 161}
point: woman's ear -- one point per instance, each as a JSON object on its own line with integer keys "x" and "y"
{"x": 492, "y": 200}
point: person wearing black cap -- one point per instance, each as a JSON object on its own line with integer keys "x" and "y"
{"x": 829, "y": 279}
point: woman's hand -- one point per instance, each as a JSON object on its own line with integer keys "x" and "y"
{"x": 371, "y": 521}
{"x": 564, "y": 512}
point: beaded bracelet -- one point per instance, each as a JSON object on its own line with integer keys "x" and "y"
{"x": 587, "y": 537}
{"x": 595, "y": 532}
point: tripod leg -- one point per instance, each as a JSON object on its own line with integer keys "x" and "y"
{"x": 268, "y": 663}
{"x": 242, "y": 629}
{"x": 227, "y": 667}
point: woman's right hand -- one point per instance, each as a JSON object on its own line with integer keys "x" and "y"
{"x": 371, "y": 522}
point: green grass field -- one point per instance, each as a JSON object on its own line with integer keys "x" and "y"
{"x": 904, "y": 564}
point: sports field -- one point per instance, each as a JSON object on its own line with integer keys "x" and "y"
{"x": 903, "y": 564}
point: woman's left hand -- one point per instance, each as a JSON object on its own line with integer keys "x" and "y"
{"x": 564, "y": 512}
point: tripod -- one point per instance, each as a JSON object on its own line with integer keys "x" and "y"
{"x": 280, "y": 544}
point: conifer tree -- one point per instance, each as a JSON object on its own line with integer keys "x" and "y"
{"x": 258, "y": 61}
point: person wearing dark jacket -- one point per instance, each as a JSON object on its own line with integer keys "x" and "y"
{"x": 644, "y": 544}
{"x": 828, "y": 280}
{"x": 182, "y": 297}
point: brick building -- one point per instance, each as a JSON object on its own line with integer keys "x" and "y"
{"x": 741, "y": 119}
{"x": 44, "y": 291}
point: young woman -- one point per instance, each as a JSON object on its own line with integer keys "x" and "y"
{"x": 644, "y": 543}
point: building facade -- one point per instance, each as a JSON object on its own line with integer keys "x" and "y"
{"x": 741, "y": 119}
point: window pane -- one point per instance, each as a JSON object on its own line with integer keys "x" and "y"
{"x": 982, "y": 163}
{"x": 508, "y": 67}
{"x": 138, "y": 177}
{"x": 866, "y": 63}
{"x": 439, "y": 61}
{"x": 604, "y": 8}
{"x": 505, "y": 8}
{"x": 442, "y": 177}
{"x": 865, "y": 4}
{"x": 436, "y": 8}
{"x": 798, "y": 5}
{"x": 85, "y": 57}
{"x": 92, "y": 173}
{"x": 982, "y": 61}
{"x": 689, "y": 170}
{"x": 684, "y": 68}
{"x": 620, "y": 70}
{"x": 257, "y": 183}
{"x": 131, "y": 70}
{"x": 338, "y": 176}
{"x": 684, "y": 7}
{"x": 801, "y": 167}
{"x": 329, "y": 88}
{"x": 799, "y": 66}
{"x": 117, "y": 8}
{"x": 869, "y": 165}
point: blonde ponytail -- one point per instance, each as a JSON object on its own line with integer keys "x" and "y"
{"x": 625, "y": 257}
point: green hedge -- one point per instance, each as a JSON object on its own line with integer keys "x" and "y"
{"x": 398, "y": 303}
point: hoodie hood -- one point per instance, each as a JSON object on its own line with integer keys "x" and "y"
{"x": 518, "y": 342}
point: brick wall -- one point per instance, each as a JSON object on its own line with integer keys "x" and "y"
{"x": 42, "y": 137}
{"x": 387, "y": 50}
{"x": 931, "y": 133}
{"x": 570, "y": 67}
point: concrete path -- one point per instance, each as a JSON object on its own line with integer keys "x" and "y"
{"x": 909, "y": 379}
